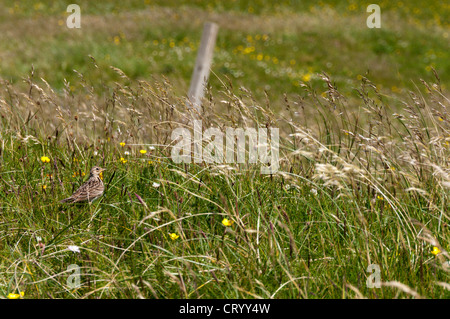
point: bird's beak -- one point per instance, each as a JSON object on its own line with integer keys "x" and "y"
{"x": 103, "y": 169}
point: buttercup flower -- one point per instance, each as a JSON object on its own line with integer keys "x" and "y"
{"x": 122, "y": 160}
{"x": 174, "y": 236}
{"x": 306, "y": 77}
{"x": 435, "y": 250}
{"x": 227, "y": 222}
{"x": 122, "y": 144}
{"x": 16, "y": 296}
{"x": 45, "y": 159}
{"x": 143, "y": 151}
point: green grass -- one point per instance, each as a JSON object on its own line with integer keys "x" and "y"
{"x": 346, "y": 196}
{"x": 364, "y": 172}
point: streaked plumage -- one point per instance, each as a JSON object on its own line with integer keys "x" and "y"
{"x": 92, "y": 189}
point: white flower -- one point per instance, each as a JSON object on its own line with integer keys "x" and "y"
{"x": 74, "y": 248}
{"x": 127, "y": 153}
{"x": 38, "y": 239}
{"x": 313, "y": 191}
{"x": 156, "y": 185}
{"x": 95, "y": 153}
{"x": 151, "y": 148}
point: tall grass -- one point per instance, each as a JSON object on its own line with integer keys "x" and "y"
{"x": 364, "y": 179}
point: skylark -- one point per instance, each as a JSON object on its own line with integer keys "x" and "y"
{"x": 89, "y": 191}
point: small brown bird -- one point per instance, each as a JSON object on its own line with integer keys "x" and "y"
{"x": 89, "y": 191}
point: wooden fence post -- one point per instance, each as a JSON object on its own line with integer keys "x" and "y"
{"x": 202, "y": 66}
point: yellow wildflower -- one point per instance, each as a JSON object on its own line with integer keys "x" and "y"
{"x": 16, "y": 296}
{"x": 227, "y": 222}
{"x": 248, "y": 50}
{"x": 435, "y": 250}
{"x": 45, "y": 159}
{"x": 143, "y": 151}
{"x": 122, "y": 160}
{"x": 122, "y": 144}
{"x": 306, "y": 77}
{"x": 352, "y": 7}
{"x": 174, "y": 236}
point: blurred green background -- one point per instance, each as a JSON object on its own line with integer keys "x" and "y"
{"x": 270, "y": 46}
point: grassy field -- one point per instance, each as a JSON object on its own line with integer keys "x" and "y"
{"x": 364, "y": 173}
{"x": 262, "y": 45}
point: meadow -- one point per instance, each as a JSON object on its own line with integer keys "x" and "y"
{"x": 364, "y": 173}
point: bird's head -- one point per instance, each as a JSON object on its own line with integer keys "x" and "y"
{"x": 95, "y": 171}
